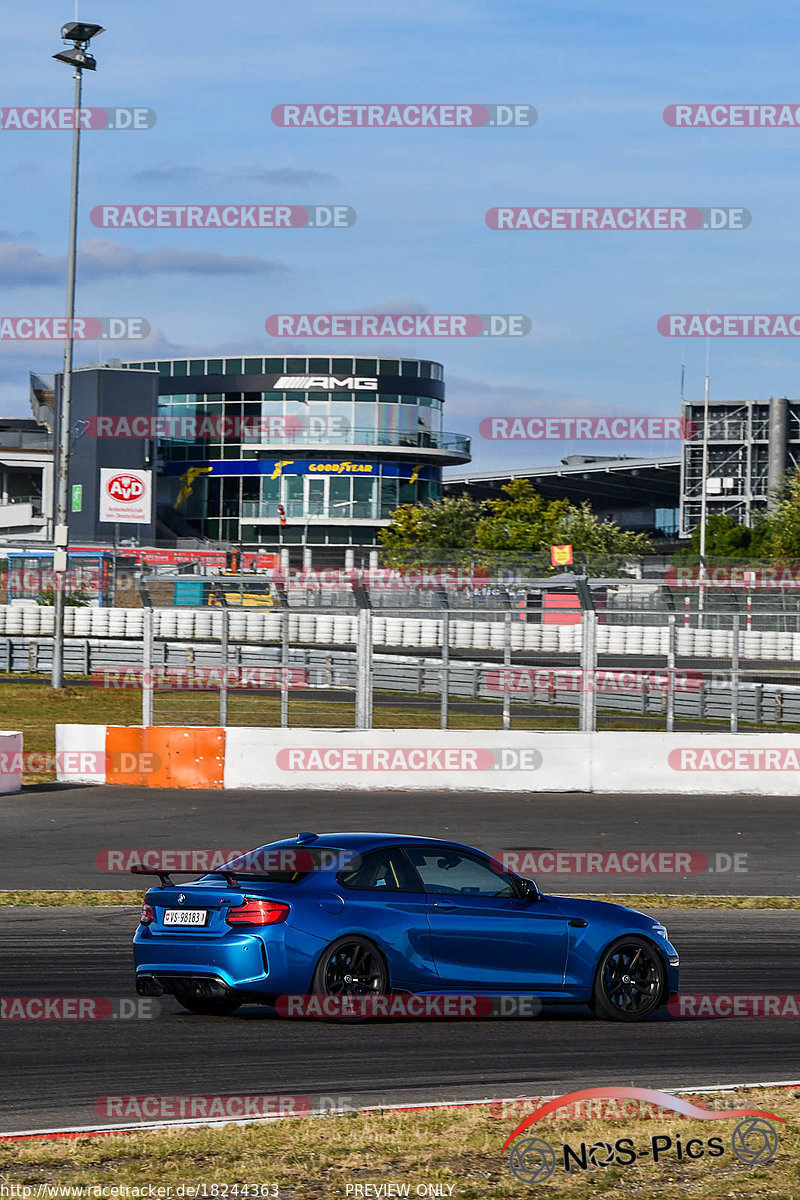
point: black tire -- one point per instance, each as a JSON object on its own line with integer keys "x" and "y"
{"x": 630, "y": 980}
{"x": 351, "y": 967}
{"x": 207, "y": 1007}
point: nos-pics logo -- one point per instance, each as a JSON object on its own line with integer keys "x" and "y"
{"x": 753, "y": 1139}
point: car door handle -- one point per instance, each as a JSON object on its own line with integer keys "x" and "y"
{"x": 578, "y": 923}
{"x": 444, "y": 905}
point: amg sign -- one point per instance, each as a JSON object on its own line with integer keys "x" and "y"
{"x": 326, "y": 383}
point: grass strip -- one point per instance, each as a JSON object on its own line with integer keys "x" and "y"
{"x": 457, "y": 1149}
{"x": 89, "y": 898}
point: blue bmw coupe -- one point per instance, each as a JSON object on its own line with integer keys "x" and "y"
{"x": 367, "y": 914}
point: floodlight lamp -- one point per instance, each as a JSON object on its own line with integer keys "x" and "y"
{"x": 80, "y": 31}
{"x": 77, "y": 58}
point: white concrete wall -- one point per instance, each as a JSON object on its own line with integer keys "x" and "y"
{"x": 10, "y": 761}
{"x": 488, "y": 761}
{"x": 404, "y": 759}
{"x": 763, "y": 764}
{"x": 81, "y": 753}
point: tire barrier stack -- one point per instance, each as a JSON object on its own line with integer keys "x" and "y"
{"x": 198, "y": 624}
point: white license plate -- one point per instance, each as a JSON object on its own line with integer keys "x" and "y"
{"x": 185, "y": 916}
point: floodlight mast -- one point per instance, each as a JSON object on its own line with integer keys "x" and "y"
{"x": 80, "y": 33}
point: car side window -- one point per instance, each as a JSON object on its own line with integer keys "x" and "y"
{"x": 384, "y": 870}
{"x": 453, "y": 872}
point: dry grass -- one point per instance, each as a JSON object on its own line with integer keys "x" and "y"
{"x": 308, "y": 1159}
{"x": 87, "y": 898}
{"x": 80, "y": 898}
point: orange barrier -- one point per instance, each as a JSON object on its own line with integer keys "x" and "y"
{"x": 165, "y": 756}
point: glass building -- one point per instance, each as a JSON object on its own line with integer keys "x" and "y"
{"x": 279, "y": 451}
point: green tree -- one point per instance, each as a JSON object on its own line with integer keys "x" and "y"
{"x": 443, "y": 531}
{"x": 726, "y": 539}
{"x": 780, "y": 533}
{"x": 522, "y": 524}
{"x": 587, "y": 534}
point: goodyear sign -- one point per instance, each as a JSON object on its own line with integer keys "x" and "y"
{"x": 274, "y": 468}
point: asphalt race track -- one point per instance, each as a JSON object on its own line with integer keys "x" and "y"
{"x": 54, "y": 1071}
{"x": 50, "y": 834}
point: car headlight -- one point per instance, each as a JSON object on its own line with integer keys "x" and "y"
{"x": 661, "y": 930}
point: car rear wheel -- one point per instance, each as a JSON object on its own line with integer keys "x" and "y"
{"x": 351, "y": 967}
{"x": 630, "y": 981}
{"x": 208, "y": 1006}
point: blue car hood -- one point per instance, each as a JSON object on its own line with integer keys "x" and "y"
{"x": 603, "y": 910}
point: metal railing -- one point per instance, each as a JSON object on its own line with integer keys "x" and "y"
{"x": 425, "y": 439}
{"x": 35, "y": 503}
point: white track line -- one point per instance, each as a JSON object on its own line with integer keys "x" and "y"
{"x": 89, "y": 1130}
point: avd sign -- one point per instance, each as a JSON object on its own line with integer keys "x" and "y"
{"x": 126, "y": 497}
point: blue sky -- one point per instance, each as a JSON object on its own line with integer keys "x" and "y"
{"x": 599, "y": 76}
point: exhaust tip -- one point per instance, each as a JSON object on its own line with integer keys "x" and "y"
{"x": 148, "y": 985}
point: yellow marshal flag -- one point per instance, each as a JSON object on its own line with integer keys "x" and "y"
{"x": 560, "y": 556}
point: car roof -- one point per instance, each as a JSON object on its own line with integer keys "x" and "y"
{"x": 371, "y": 841}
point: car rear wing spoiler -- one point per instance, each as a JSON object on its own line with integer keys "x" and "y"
{"x": 165, "y": 881}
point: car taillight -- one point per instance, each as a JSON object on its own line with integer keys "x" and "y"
{"x": 148, "y": 916}
{"x": 258, "y": 912}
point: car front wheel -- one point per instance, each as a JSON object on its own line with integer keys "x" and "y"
{"x": 629, "y": 982}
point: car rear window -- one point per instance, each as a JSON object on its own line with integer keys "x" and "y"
{"x": 286, "y": 864}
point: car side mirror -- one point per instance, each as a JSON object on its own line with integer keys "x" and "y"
{"x": 530, "y": 891}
